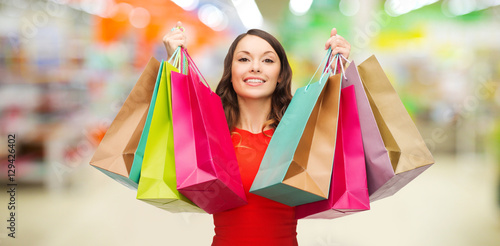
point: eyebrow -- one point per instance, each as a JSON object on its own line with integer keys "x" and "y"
{"x": 246, "y": 52}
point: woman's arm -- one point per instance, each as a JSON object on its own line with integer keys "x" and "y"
{"x": 174, "y": 38}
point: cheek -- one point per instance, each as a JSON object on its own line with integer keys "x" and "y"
{"x": 235, "y": 78}
{"x": 236, "y": 71}
{"x": 277, "y": 74}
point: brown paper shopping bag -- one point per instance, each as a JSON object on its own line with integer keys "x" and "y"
{"x": 407, "y": 150}
{"x": 297, "y": 166}
{"x": 115, "y": 154}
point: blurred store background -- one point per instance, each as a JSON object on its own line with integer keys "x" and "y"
{"x": 66, "y": 66}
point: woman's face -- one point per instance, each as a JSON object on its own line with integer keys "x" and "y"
{"x": 255, "y": 68}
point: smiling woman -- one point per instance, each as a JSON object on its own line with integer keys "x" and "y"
{"x": 255, "y": 87}
{"x": 255, "y": 90}
{"x": 255, "y": 70}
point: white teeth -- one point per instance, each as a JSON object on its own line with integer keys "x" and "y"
{"x": 254, "y": 81}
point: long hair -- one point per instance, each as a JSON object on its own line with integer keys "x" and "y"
{"x": 282, "y": 95}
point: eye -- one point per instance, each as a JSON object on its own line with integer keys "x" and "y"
{"x": 243, "y": 59}
{"x": 268, "y": 60}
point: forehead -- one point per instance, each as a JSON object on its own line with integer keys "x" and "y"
{"x": 254, "y": 44}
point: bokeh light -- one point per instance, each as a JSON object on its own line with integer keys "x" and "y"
{"x": 249, "y": 13}
{"x": 139, "y": 17}
{"x": 300, "y": 7}
{"x": 349, "y": 7}
{"x": 121, "y": 11}
{"x": 213, "y": 17}
{"x": 187, "y": 5}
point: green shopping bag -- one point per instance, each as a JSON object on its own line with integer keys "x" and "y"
{"x": 157, "y": 184}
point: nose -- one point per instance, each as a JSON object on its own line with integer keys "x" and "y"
{"x": 255, "y": 66}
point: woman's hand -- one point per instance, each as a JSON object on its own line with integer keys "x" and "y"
{"x": 174, "y": 38}
{"x": 339, "y": 46}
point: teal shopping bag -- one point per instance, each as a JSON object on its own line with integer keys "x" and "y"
{"x": 135, "y": 171}
{"x": 297, "y": 166}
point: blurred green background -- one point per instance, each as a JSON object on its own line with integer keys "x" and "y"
{"x": 66, "y": 66}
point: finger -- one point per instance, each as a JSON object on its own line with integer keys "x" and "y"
{"x": 341, "y": 50}
{"x": 333, "y": 63}
{"x": 176, "y": 31}
{"x": 177, "y": 35}
{"x": 176, "y": 43}
{"x": 179, "y": 26}
{"x": 338, "y": 41}
{"x": 343, "y": 42}
{"x": 333, "y": 32}
{"x": 179, "y": 43}
{"x": 168, "y": 43}
{"x": 328, "y": 43}
{"x": 335, "y": 41}
{"x": 171, "y": 36}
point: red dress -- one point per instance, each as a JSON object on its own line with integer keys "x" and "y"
{"x": 261, "y": 222}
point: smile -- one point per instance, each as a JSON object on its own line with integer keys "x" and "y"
{"x": 254, "y": 81}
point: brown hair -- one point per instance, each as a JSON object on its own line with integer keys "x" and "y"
{"x": 282, "y": 95}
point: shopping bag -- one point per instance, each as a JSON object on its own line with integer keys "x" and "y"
{"x": 115, "y": 154}
{"x": 349, "y": 190}
{"x": 157, "y": 184}
{"x": 135, "y": 171}
{"x": 378, "y": 165}
{"x": 206, "y": 166}
{"x": 407, "y": 150}
{"x": 297, "y": 165}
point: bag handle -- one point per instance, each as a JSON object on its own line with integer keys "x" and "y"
{"x": 337, "y": 61}
{"x": 185, "y": 64}
{"x": 326, "y": 69}
{"x": 174, "y": 56}
{"x": 195, "y": 68}
{"x": 179, "y": 60}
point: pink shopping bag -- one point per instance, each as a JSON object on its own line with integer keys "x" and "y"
{"x": 348, "y": 191}
{"x": 378, "y": 165}
{"x": 206, "y": 166}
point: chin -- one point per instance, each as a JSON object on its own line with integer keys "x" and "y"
{"x": 255, "y": 96}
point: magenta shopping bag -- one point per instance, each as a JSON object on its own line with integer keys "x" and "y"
{"x": 348, "y": 191}
{"x": 378, "y": 165}
{"x": 206, "y": 166}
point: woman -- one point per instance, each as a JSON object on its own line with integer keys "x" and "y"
{"x": 255, "y": 90}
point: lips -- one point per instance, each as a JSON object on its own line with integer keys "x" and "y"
{"x": 254, "y": 80}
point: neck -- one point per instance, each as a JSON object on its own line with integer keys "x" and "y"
{"x": 253, "y": 114}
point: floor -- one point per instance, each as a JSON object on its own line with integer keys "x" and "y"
{"x": 452, "y": 203}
